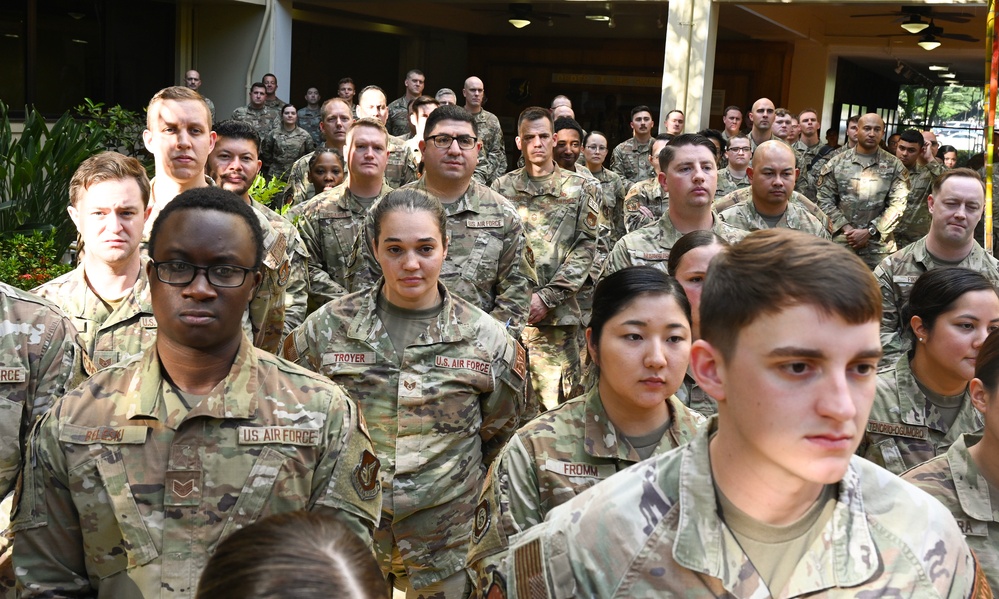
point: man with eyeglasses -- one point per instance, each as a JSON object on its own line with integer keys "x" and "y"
{"x": 138, "y": 474}
{"x": 561, "y": 213}
{"x": 331, "y": 222}
{"x": 734, "y": 176}
{"x": 486, "y": 263}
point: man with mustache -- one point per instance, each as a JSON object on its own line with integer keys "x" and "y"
{"x": 234, "y": 164}
{"x": 630, "y": 157}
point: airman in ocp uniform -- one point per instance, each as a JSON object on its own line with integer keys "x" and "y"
{"x": 915, "y": 221}
{"x": 630, "y": 157}
{"x": 492, "y": 161}
{"x": 256, "y": 113}
{"x": 310, "y": 115}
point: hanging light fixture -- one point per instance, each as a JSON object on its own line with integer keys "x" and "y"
{"x": 915, "y": 24}
{"x": 519, "y": 23}
{"x": 928, "y": 42}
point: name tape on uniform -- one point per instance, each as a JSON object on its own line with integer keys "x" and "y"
{"x": 897, "y": 430}
{"x": 13, "y": 374}
{"x": 574, "y": 469}
{"x": 349, "y": 358}
{"x": 463, "y": 363}
{"x": 285, "y": 435}
{"x": 484, "y": 224}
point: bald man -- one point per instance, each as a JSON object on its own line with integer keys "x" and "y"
{"x": 772, "y": 175}
{"x": 762, "y": 119}
{"x": 492, "y": 159}
{"x": 864, "y": 191}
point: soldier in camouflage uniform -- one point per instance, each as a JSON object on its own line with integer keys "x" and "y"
{"x": 561, "y": 213}
{"x": 809, "y": 148}
{"x": 337, "y": 118}
{"x": 192, "y": 79}
{"x": 331, "y": 223}
{"x": 733, "y": 176}
{"x": 141, "y": 471}
{"x": 686, "y": 523}
{"x": 922, "y": 405}
{"x": 487, "y": 263}
{"x": 440, "y": 383}
{"x": 310, "y": 116}
{"x": 815, "y": 168}
{"x": 280, "y": 302}
{"x": 492, "y": 159}
{"x": 955, "y": 480}
{"x": 398, "y": 109}
{"x": 585, "y": 441}
{"x": 285, "y": 144}
{"x": 915, "y": 221}
{"x": 257, "y": 114}
{"x": 693, "y": 190}
{"x": 956, "y": 205}
{"x": 630, "y": 158}
{"x": 401, "y": 168}
{"x": 107, "y": 296}
{"x": 745, "y": 194}
{"x": 270, "y": 87}
{"x": 864, "y": 192}
{"x": 646, "y": 201}
{"x": 613, "y": 187}
{"x": 772, "y": 176}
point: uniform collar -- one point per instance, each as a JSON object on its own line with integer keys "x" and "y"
{"x": 971, "y": 487}
{"x": 234, "y": 397}
{"x": 831, "y": 561}
{"x": 912, "y": 405}
{"x": 602, "y": 439}
{"x": 366, "y": 326}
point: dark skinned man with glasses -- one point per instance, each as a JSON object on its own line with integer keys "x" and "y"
{"x": 140, "y": 472}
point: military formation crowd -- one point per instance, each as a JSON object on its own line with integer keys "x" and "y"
{"x": 660, "y": 369}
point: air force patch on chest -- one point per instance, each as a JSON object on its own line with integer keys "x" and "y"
{"x": 365, "y": 476}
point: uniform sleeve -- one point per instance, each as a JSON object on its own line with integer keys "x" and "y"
{"x": 827, "y": 197}
{"x": 572, "y": 273}
{"x": 296, "y": 294}
{"x": 503, "y": 408}
{"x": 617, "y": 259}
{"x": 347, "y": 479}
{"x": 515, "y": 279}
{"x": 321, "y": 286}
{"x": 298, "y": 348}
{"x": 891, "y": 327}
{"x": 898, "y": 197}
{"x": 267, "y": 151}
{"x": 617, "y": 162}
{"x": 299, "y": 187}
{"x": 49, "y": 557}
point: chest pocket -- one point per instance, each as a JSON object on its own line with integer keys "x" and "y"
{"x": 890, "y": 455}
{"x": 482, "y": 265}
{"x": 554, "y": 221}
{"x": 115, "y": 537}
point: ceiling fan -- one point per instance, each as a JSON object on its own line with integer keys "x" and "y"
{"x": 931, "y": 30}
{"x": 915, "y": 14}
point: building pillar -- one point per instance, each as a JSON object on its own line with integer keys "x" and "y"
{"x": 689, "y": 63}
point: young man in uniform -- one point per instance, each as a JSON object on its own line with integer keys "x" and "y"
{"x": 398, "y": 109}
{"x": 768, "y": 500}
{"x": 630, "y": 157}
{"x": 257, "y": 112}
{"x": 492, "y": 163}
{"x": 270, "y": 86}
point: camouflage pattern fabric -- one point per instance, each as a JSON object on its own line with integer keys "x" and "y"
{"x": 905, "y": 429}
{"x": 614, "y": 189}
{"x": 954, "y": 480}
{"x": 211, "y": 107}
{"x": 439, "y": 413}
{"x": 630, "y": 159}
{"x": 263, "y": 120}
{"x": 651, "y": 245}
{"x": 492, "y": 157}
{"x": 276, "y": 103}
{"x": 896, "y": 275}
{"x": 554, "y": 458}
{"x": 691, "y": 395}
{"x": 282, "y": 296}
{"x": 402, "y": 166}
{"x": 648, "y": 193}
{"x": 107, "y": 336}
{"x": 746, "y": 194}
{"x": 556, "y": 365}
{"x": 805, "y": 183}
{"x": 653, "y": 531}
{"x": 487, "y": 264}
{"x": 863, "y": 190}
{"x": 281, "y": 148}
{"x": 745, "y": 216}
{"x": 727, "y": 183}
{"x": 398, "y": 117}
{"x": 561, "y": 214}
{"x": 330, "y": 225}
{"x": 309, "y": 119}
{"x": 915, "y": 221}
{"x": 129, "y": 491}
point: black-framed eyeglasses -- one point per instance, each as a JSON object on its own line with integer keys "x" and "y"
{"x": 180, "y": 273}
{"x": 443, "y": 141}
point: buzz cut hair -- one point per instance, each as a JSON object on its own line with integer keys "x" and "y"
{"x": 807, "y": 110}
{"x": 176, "y": 93}
{"x": 775, "y": 269}
{"x": 412, "y": 72}
{"x": 367, "y": 122}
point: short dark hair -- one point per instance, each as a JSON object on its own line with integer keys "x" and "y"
{"x": 567, "y": 122}
{"x": 312, "y": 553}
{"x": 774, "y": 269}
{"x": 370, "y": 88}
{"x": 409, "y": 199}
{"x": 717, "y": 136}
{"x": 666, "y": 137}
{"x": 936, "y": 291}
{"x": 686, "y": 139}
{"x": 731, "y": 108}
{"x": 257, "y": 84}
{"x": 617, "y": 290}
{"x": 640, "y": 108}
{"x": 238, "y": 130}
{"x": 324, "y": 150}
{"x": 534, "y": 113}
{"x": 590, "y": 134}
{"x": 676, "y": 110}
{"x": 449, "y": 112}
{"x": 218, "y": 200}
{"x": 266, "y": 75}
{"x": 854, "y": 118}
{"x": 912, "y": 136}
{"x": 345, "y": 80}
{"x": 414, "y": 72}
{"x": 690, "y": 241}
{"x": 421, "y": 101}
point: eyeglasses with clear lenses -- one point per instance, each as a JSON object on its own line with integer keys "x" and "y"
{"x": 740, "y": 150}
{"x": 180, "y": 273}
{"x": 443, "y": 141}
{"x": 593, "y": 148}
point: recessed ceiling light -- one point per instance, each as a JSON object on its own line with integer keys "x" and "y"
{"x": 938, "y": 67}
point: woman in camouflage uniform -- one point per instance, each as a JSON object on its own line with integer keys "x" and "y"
{"x": 439, "y": 382}
{"x": 966, "y": 478}
{"x": 613, "y": 188}
{"x": 922, "y": 404}
{"x": 326, "y": 169}
{"x": 639, "y": 339}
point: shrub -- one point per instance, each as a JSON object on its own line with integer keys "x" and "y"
{"x": 27, "y": 261}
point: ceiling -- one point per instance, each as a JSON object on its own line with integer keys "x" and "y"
{"x": 833, "y": 25}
